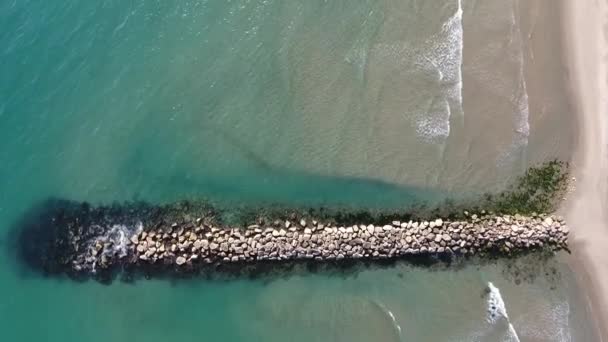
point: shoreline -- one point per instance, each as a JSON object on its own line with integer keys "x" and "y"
{"x": 585, "y": 41}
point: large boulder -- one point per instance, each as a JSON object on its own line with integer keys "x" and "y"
{"x": 180, "y": 260}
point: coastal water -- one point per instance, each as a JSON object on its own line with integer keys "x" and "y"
{"x": 353, "y": 103}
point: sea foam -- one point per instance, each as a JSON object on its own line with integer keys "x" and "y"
{"x": 519, "y": 98}
{"x": 442, "y": 54}
{"x": 497, "y": 311}
{"x": 431, "y": 68}
{"x": 389, "y": 314}
{"x": 115, "y": 241}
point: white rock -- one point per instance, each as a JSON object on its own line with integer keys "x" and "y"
{"x": 370, "y": 229}
{"x": 180, "y": 260}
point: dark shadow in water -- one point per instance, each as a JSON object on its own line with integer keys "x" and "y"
{"x": 251, "y": 178}
{"x": 41, "y": 241}
{"x": 34, "y": 240}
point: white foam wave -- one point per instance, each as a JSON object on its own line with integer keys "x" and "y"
{"x": 442, "y": 55}
{"x": 434, "y": 66}
{"x": 521, "y": 120}
{"x": 560, "y": 317}
{"x": 395, "y": 324}
{"x": 436, "y": 123}
{"x": 497, "y": 311}
{"x": 551, "y": 322}
{"x": 115, "y": 242}
{"x": 456, "y": 44}
{"x": 118, "y": 236}
{"x": 391, "y": 316}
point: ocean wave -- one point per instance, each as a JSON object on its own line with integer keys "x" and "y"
{"x": 435, "y": 123}
{"x": 519, "y": 97}
{"x": 116, "y": 240}
{"x": 389, "y": 314}
{"x": 432, "y": 68}
{"x": 497, "y": 312}
{"x": 555, "y": 323}
{"x": 441, "y": 54}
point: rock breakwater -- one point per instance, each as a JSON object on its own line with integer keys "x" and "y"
{"x": 95, "y": 241}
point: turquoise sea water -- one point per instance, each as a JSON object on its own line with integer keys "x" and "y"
{"x": 160, "y": 100}
{"x": 304, "y": 102}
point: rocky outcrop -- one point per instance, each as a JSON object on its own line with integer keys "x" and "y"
{"x": 193, "y": 243}
{"x": 75, "y": 239}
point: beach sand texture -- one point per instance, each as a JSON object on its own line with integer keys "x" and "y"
{"x": 586, "y": 34}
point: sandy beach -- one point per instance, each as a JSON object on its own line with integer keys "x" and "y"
{"x": 585, "y": 36}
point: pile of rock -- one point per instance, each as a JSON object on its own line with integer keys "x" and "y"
{"x": 196, "y": 243}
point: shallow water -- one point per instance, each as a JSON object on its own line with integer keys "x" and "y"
{"x": 357, "y": 103}
{"x": 400, "y": 303}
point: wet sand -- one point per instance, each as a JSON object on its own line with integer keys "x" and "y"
{"x": 585, "y": 35}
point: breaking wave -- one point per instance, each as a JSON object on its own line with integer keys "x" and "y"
{"x": 442, "y": 54}
{"x": 115, "y": 242}
{"x": 389, "y": 314}
{"x": 519, "y": 99}
{"x": 497, "y": 312}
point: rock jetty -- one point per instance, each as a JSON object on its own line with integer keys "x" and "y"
{"x": 86, "y": 246}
